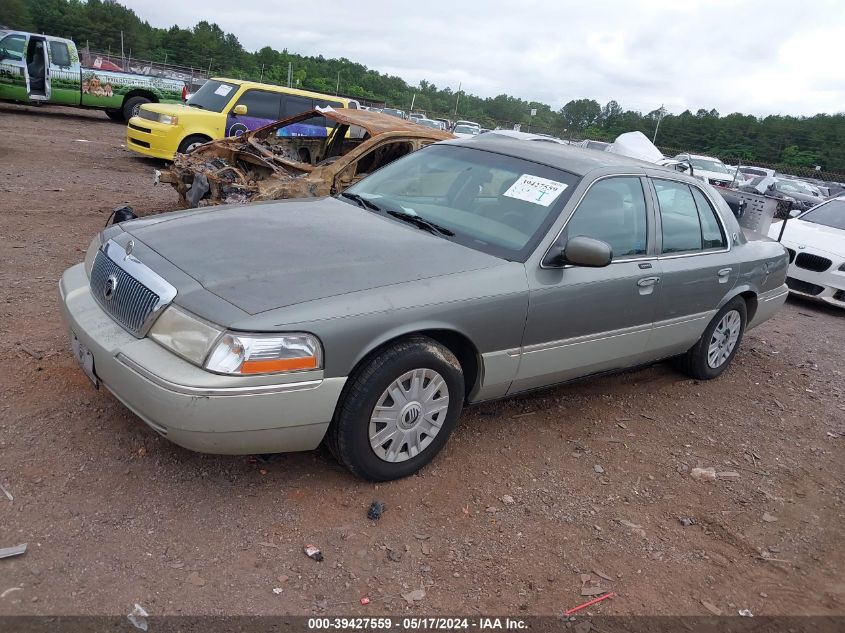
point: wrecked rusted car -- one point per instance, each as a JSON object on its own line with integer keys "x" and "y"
{"x": 316, "y": 153}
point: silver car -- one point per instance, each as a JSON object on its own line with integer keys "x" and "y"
{"x": 467, "y": 271}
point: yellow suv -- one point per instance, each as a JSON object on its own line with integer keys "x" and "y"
{"x": 220, "y": 108}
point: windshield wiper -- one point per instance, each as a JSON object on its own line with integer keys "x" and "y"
{"x": 362, "y": 201}
{"x": 422, "y": 223}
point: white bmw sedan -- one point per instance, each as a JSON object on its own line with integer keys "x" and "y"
{"x": 816, "y": 244}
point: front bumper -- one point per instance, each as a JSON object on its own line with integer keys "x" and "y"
{"x": 152, "y": 138}
{"x": 827, "y": 286}
{"x": 191, "y": 407}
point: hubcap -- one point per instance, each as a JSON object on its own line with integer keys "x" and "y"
{"x": 724, "y": 339}
{"x": 408, "y": 415}
{"x": 192, "y": 146}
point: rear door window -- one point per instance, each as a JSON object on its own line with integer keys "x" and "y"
{"x": 678, "y": 217}
{"x": 712, "y": 235}
{"x": 294, "y": 104}
{"x": 260, "y": 104}
{"x": 59, "y": 54}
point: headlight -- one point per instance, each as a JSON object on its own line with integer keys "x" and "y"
{"x": 184, "y": 334}
{"x": 91, "y": 253}
{"x": 168, "y": 119}
{"x": 245, "y": 354}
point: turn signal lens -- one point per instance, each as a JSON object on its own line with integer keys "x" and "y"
{"x": 168, "y": 119}
{"x": 237, "y": 353}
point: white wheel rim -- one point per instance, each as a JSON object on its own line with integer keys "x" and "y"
{"x": 192, "y": 146}
{"x": 408, "y": 415}
{"x": 724, "y": 339}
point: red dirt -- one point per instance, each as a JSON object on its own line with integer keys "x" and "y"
{"x": 115, "y": 515}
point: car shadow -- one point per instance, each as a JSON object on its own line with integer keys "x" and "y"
{"x": 818, "y": 307}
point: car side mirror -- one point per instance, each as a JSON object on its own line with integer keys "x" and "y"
{"x": 239, "y": 109}
{"x": 579, "y": 251}
{"x": 795, "y": 213}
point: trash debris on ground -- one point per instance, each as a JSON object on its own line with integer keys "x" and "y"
{"x": 712, "y": 608}
{"x": 637, "y": 529}
{"x": 365, "y": 600}
{"x": 746, "y": 613}
{"x": 10, "y": 590}
{"x": 377, "y": 508}
{"x": 589, "y": 603}
{"x": 592, "y": 591}
{"x": 414, "y": 596}
{"x": 769, "y": 518}
{"x": 601, "y": 574}
{"x": 7, "y": 493}
{"x": 277, "y": 590}
{"x": 598, "y": 469}
{"x": 703, "y": 474}
{"x": 138, "y": 617}
{"x": 728, "y": 474}
{"x": 31, "y": 352}
{"x": 686, "y": 521}
{"x": 422, "y": 537}
{"x": 17, "y": 550}
{"x": 312, "y": 551}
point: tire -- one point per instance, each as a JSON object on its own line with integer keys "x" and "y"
{"x": 190, "y": 142}
{"x": 405, "y": 420}
{"x": 131, "y": 106}
{"x": 115, "y": 115}
{"x": 699, "y": 361}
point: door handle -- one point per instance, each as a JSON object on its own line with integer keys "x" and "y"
{"x": 725, "y": 272}
{"x": 646, "y": 282}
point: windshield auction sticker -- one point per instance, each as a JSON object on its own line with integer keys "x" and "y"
{"x": 223, "y": 90}
{"x": 536, "y": 190}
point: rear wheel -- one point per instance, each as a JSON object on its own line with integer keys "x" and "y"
{"x": 192, "y": 141}
{"x": 398, "y": 410}
{"x": 716, "y": 348}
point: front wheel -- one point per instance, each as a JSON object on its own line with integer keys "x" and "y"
{"x": 716, "y": 348}
{"x": 398, "y": 410}
{"x": 192, "y": 141}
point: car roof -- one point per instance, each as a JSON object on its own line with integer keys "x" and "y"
{"x": 576, "y": 160}
{"x": 285, "y": 89}
{"x": 699, "y": 156}
{"x": 376, "y": 122}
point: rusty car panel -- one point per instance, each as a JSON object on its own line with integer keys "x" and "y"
{"x": 290, "y": 159}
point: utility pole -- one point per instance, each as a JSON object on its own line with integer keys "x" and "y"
{"x": 261, "y": 76}
{"x": 457, "y": 99}
{"x": 290, "y": 68}
{"x": 210, "y": 59}
{"x": 661, "y": 113}
{"x": 121, "y": 46}
{"x": 414, "y": 98}
{"x": 337, "y": 87}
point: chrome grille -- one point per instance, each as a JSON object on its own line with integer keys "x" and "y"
{"x": 130, "y": 302}
{"x": 812, "y": 262}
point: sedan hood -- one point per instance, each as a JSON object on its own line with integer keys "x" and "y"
{"x": 817, "y": 236}
{"x": 271, "y": 255}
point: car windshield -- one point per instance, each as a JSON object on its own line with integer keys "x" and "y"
{"x": 465, "y": 129}
{"x": 709, "y": 165}
{"x": 493, "y": 203}
{"x": 213, "y": 95}
{"x": 393, "y": 112}
{"x": 831, "y": 213}
{"x": 429, "y": 123}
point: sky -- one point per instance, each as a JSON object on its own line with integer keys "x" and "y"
{"x": 751, "y": 56}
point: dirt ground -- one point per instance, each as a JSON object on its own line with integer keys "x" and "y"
{"x": 533, "y": 498}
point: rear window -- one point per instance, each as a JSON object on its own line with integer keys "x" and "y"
{"x": 213, "y": 95}
{"x": 59, "y": 54}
